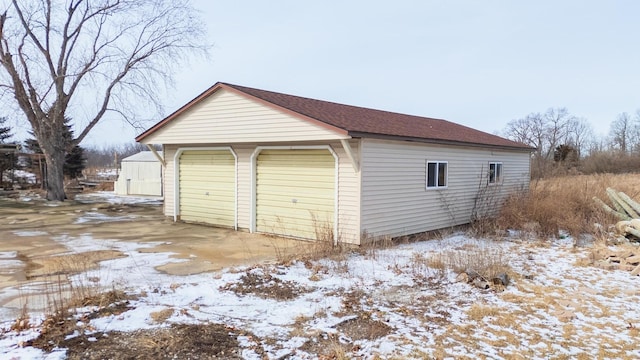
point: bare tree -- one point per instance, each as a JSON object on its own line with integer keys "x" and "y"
{"x": 544, "y": 131}
{"x": 621, "y": 132}
{"x": 557, "y": 123}
{"x": 635, "y": 133}
{"x": 579, "y": 134}
{"x": 95, "y": 57}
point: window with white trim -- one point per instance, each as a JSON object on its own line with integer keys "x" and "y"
{"x": 495, "y": 173}
{"x": 436, "y": 174}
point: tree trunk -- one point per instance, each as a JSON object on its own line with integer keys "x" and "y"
{"x": 54, "y": 173}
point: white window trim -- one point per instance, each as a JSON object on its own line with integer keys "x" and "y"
{"x": 500, "y": 179}
{"x": 426, "y": 175}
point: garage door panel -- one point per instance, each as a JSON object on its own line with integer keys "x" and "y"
{"x": 310, "y": 205}
{"x": 294, "y": 228}
{"x": 225, "y": 203}
{"x": 212, "y": 170}
{"x": 223, "y": 167}
{"x": 287, "y": 217}
{"x": 207, "y": 192}
{"x": 306, "y": 208}
{"x": 206, "y": 156}
{"x": 315, "y": 182}
{"x": 207, "y": 187}
{"x": 295, "y": 192}
{"x": 205, "y": 213}
{"x": 209, "y": 218}
{"x": 207, "y": 172}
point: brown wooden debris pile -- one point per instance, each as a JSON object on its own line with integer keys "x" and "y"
{"x": 618, "y": 259}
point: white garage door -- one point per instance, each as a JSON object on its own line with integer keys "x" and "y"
{"x": 207, "y": 187}
{"x": 295, "y": 193}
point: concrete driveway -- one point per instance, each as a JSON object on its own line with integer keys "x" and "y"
{"x": 40, "y": 240}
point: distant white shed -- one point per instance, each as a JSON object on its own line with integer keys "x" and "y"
{"x": 140, "y": 174}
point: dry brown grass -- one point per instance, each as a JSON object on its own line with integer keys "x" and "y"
{"x": 22, "y": 321}
{"x": 477, "y": 312}
{"x": 486, "y": 261}
{"x": 161, "y": 316}
{"x": 289, "y": 250}
{"x": 564, "y": 204}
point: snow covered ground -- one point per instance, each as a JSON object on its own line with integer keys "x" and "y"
{"x": 112, "y": 198}
{"x": 556, "y": 306}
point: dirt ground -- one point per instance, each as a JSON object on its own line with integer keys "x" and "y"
{"x": 31, "y": 253}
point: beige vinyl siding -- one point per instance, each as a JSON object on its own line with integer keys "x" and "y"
{"x": 348, "y": 195}
{"x": 395, "y": 200}
{"x": 244, "y": 184}
{"x": 231, "y": 118}
{"x": 168, "y": 185}
{"x": 295, "y": 193}
{"x": 207, "y": 187}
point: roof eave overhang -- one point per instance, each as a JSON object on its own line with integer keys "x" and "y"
{"x": 356, "y": 134}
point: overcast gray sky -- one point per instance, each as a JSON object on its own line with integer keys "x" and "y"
{"x": 477, "y": 63}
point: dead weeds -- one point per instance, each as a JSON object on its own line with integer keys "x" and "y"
{"x": 345, "y": 340}
{"x": 266, "y": 286}
{"x": 363, "y": 327}
{"x": 63, "y": 321}
{"x": 179, "y": 341}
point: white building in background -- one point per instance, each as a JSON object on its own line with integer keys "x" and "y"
{"x": 140, "y": 174}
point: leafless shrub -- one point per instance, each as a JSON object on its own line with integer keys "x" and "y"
{"x": 486, "y": 261}
{"x": 324, "y": 246}
{"x": 430, "y": 270}
{"x": 486, "y": 205}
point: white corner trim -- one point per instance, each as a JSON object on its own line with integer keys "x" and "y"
{"x": 254, "y": 158}
{"x": 176, "y": 178}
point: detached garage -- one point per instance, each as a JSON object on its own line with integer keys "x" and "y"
{"x": 140, "y": 174}
{"x": 273, "y": 163}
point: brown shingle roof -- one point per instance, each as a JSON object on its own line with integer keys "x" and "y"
{"x": 363, "y": 122}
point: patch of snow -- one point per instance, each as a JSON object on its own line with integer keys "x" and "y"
{"x": 27, "y": 176}
{"x": 107, "y": 172}
{"x": 8, "y": 254}
{"x": 8, "y": 267}
{"x": 30, "y": 233}
{"x": 96, "y": 217}
{"x": 113, "y": 198}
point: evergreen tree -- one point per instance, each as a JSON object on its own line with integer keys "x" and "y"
{"x": 75, "y": 160}
{"x": 5, "y": 131}
{"x": 7, "y": 160}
